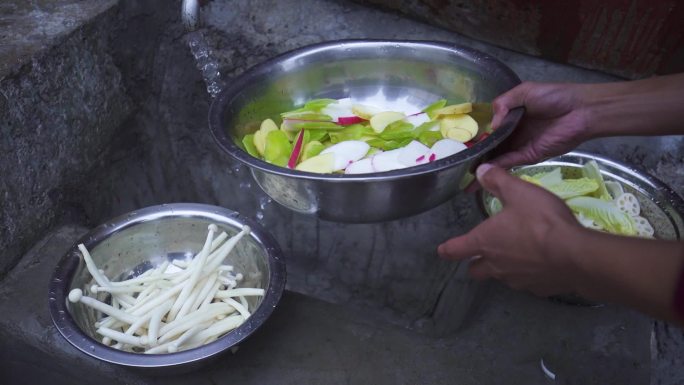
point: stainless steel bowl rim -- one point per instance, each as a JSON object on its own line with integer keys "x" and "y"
{"x": 477, "y": 150}
{"x": 66, "y": 267}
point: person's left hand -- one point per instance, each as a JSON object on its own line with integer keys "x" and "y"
{"x": 526, "y": 245}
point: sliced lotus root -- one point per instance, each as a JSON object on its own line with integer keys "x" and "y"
{"x": 643, "y": 227}
{"x": 628, "y": 204}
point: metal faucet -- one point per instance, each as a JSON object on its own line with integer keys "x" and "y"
{"x": 190, "y": 14}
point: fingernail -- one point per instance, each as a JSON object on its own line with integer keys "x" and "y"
{"x": 484, "y": 167}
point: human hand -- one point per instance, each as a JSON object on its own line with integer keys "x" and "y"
{"x": 554, "y": 123}
{"x": 526, "y": 244}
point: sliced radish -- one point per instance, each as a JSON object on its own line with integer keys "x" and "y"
{"x": 628, "y": 204}
{"x": 296, "y": 151}
{"x": 413, "y": 154}
{"x": 387, "y": 161}
{"x": 363, "y": 166}
{"x": 349, "y": 120}
{"x": 446, "y": 147}
{"x": 345, "y": 102}
{"x": 418, "y": 119}
{"x": 346, "y": 152}
{"x": 337, "y": 110}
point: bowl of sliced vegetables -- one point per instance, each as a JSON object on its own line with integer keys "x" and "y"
{"x": 364, "y": 131}
{"x": 168, "y": 286}
{"x": 605, "y": 195}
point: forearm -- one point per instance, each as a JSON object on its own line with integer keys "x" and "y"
{"x": 652, "y": 106}
{"x": 635, "y": 272}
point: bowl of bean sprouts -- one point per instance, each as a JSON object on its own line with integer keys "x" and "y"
{"x": 167, "y": 286}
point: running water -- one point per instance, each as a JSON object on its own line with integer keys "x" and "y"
{"x": 206, "y": 62}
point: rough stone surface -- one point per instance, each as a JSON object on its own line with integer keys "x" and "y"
{"x": 58, "y": 113}
{"x": 308, "y": 341}
{"x": 31, "y": 27}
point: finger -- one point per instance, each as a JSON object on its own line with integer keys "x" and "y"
{"x": 503, "y": 185}
{"x": 479, "y": 269}
{"x": 512, "y": 159}
{"x": 465, "y": 246}
{"x": 513, "y": 98}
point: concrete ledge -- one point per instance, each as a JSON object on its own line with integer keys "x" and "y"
{"x": 309, "y": 341}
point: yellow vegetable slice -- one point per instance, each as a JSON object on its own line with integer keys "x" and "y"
{"x": 454, "y": 109}
{"x": 321, "y": 164}
{"x": 463, "y": 121}
{"x": 260, "y": 136}
{"x": 459, "y": 135}
{"x": 364, "y": 112}
{"x": 380, "y": 121}
{"x": 268, "y": 125}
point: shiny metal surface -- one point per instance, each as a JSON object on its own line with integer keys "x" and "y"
{"x": 416, "y": 72}
{"x": 659, "y": 204}
{"x": 135, "y": 242}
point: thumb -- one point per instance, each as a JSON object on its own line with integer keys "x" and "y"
{"x": 500, "y": 183}
{"x": 507, "y": 101}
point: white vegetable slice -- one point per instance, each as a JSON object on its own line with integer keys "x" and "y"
{"x": 387, "y": 161}
{"x": 347, "y": 152}
{"x": 413, "y": 154}
{"x": 446, "y": 147}
{"x": 365, "y": 111}
{"x": 586, "y": 222}
{"x": 628, "y": 204}
{"x": 643, "y": 227}
{"x": 614, "y": 188}
{"x": 363, "y": 166}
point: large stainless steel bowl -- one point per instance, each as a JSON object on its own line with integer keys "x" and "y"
{"x": 417, "y": 72}
{"x": 138, "y": 241}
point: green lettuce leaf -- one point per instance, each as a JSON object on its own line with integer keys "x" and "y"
{"x": 571, "y": 188}
{"x": 591, "y": 170}
{"x": 604, "y": 214}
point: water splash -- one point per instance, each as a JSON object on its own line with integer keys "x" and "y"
{"x": 206, "y": 62}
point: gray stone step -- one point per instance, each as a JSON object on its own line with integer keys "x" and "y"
{"x": 309, "y": 341}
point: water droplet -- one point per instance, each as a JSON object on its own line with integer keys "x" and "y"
{"x": 260, "y": 215}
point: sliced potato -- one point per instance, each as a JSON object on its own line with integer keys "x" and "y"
{"x": 260, "y": 136}
{"x": 461, "y": 121}
{"x": 268, "y": 125}
{"x": 380, "y": 121}
{"x": 458, "y": 134}
{"x": 322, "y": 164}
{"x": 454, "y": 109}
{"x": 363, "y": 111}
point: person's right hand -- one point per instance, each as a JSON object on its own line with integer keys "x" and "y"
{"x": 554, "y": 123}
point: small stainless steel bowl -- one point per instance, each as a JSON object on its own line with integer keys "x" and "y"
{"x": 135, "y": 242}
{"x": 659, "y": 204}
{"x": 416, "y": 72}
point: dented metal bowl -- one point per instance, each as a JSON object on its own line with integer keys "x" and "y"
{"x": 418, "y": 72}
